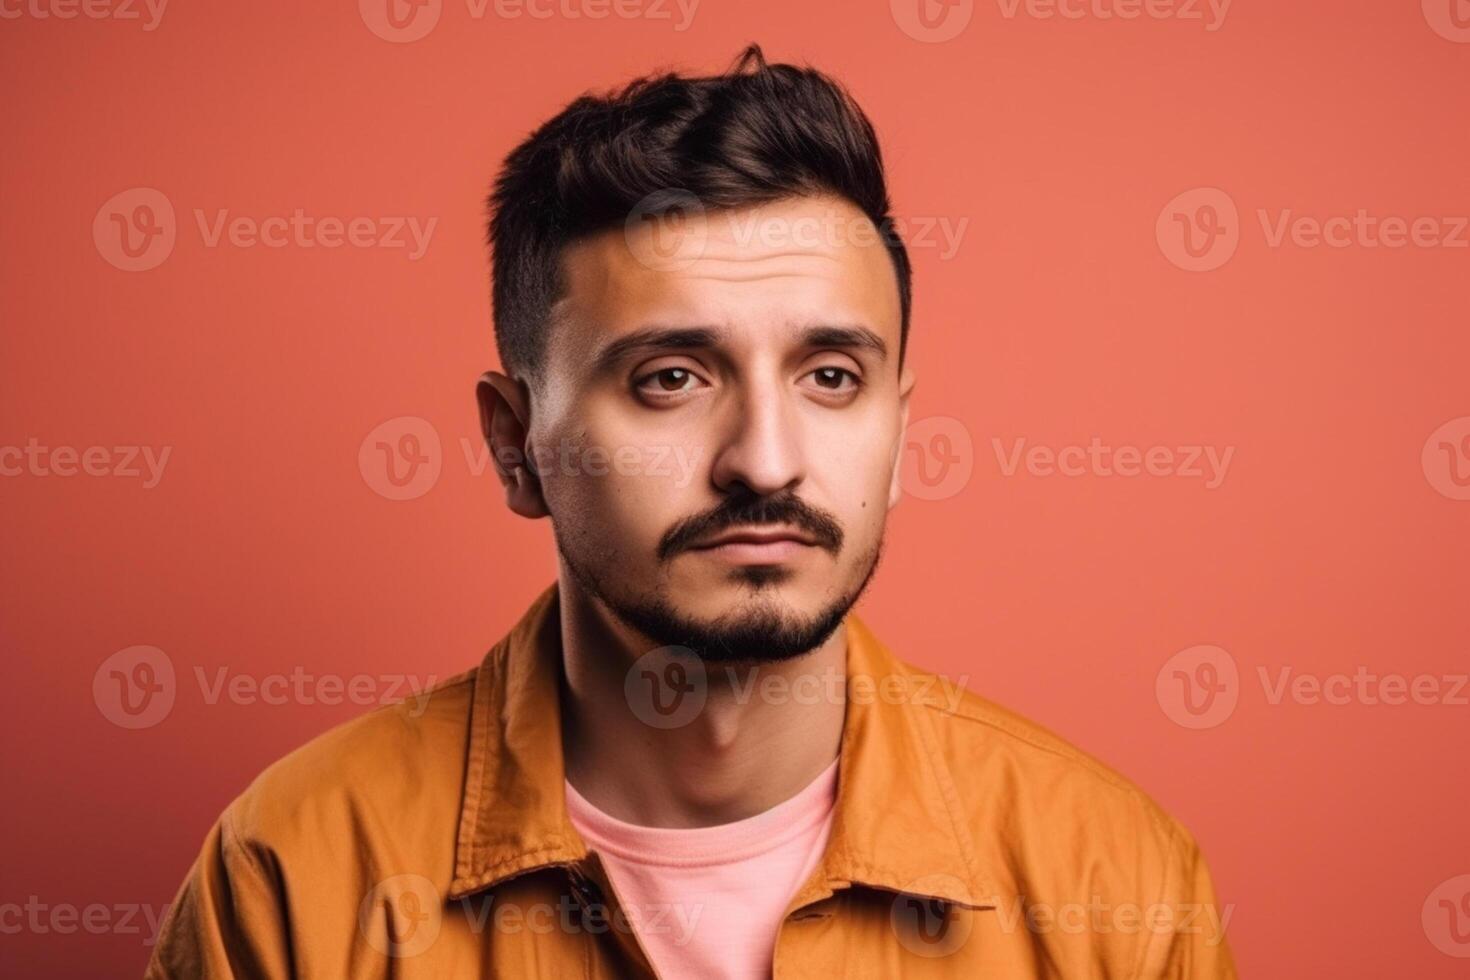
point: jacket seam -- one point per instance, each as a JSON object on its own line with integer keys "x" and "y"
{"x": 947, "y": 795}
{"x": 1062, "y": 752}
{"x": 1081, "y": 761}
{"x": 469, "y": 818}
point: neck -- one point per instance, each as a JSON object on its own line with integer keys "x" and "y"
{"x": 765, "y": 731}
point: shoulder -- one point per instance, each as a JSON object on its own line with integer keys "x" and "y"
{"x": 398, "y": 766}
{"x": 1073, "y": 855}
{"x": 1041, "y": 807}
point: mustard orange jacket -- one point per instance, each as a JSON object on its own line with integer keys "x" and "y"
{"x": 430, "y": 839}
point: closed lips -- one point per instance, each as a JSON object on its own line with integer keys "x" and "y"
{"x": 755, "y": 537}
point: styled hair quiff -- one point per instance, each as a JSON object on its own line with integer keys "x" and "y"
{"x": 757, "y": 133}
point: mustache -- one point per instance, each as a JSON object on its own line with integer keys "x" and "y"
{"x": 748, "y": 509}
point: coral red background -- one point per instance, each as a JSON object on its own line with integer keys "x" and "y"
{"x": 1336, "y": 540}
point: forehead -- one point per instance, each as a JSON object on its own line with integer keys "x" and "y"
{"x": 757, "y": 274}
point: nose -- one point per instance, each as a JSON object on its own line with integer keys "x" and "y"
{"x": 760, "y": 442}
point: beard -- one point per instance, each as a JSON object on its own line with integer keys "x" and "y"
{"x": 760, "y": 631}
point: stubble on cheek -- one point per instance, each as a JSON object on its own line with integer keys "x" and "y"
{"x": 604, "y": 521}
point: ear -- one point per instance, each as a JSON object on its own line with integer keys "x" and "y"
{"x": 505, "y": 415}
{"x": 905, "y": 388}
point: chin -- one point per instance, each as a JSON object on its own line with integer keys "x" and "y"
{"x": 744, "y": 630}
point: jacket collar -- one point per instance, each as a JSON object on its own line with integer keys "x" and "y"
{"x": 897, "y": 825}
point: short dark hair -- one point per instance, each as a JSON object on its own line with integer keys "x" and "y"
{"x": 755, "y": 134}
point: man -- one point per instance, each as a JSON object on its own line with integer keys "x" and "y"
{"x": 690, "y": 758}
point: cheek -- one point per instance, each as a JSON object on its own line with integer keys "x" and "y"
{"x": 623, "y": 490}
{"x": 854, "y": 463}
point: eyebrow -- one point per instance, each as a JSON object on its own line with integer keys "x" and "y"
{"x": 651, "y": 339}
{"x": 859, "y": 337}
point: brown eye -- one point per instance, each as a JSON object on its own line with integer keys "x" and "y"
{"x": 831, "y": 378}
{"x": 667, "y": 381}
{"x": 673, "y": 379}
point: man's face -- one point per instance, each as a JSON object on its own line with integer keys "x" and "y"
{"x": 740, "y": 378}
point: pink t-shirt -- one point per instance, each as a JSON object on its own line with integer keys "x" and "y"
{"x": 706, "y": 901}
